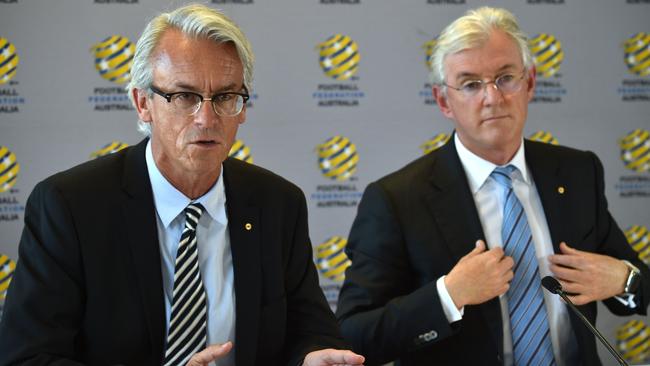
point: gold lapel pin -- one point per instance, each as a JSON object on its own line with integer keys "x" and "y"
{"x": 560, "y": 190}
{"x": 248, "y": 226}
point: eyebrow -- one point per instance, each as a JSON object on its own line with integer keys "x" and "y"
{"x": 228, "y": 88}
{"x": 468, "y": 75}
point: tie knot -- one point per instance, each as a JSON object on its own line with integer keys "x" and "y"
{"x": 193, "y": 213}
{"x": 503, "y": 175}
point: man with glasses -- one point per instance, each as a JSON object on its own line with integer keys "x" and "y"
{"x": 448, "y": 252}
{"x": 169, "y": 252}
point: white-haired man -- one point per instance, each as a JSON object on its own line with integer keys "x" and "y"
{"x": 448, "y": 252}
{"x": 169, "y": 252}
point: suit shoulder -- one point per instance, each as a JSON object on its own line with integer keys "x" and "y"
{"x": 561, "y": 153}
{"x": 98, "y": 172}
{"x": 259, "y": 178}
{"x": 415, "y": 171}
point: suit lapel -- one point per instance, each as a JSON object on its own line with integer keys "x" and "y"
{"x": 453, "y": 208}
{"x": 141, "y": 230}
{"x": 546, "y": 174}
{"x": 244, "y": 228}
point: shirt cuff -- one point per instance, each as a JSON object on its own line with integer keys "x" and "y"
{"x": 451, "y": 312}
{"x": 627, "y": 300}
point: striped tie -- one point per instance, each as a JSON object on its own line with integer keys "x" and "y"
{"x": 531, "y": 339}
{"x": 187, "y": 326}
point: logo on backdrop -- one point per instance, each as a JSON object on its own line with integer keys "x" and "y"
{"x": 332, "y": 261}
{"x": 544, "y": 136}
{"x": 339, "y": 57}
{"x": 7, "y": 268}
{"x": 547, "y": 55}
{"x": 633, "y": 341}
{"x": 445, "y": 2}
{"x": 116, "y": 1}
{"x": 10, "y": 207}
{"x": 337, "y": 161}
{"x": 425, "y": 92}
{"x": 113, "y": 60}
{"x": 240, "y": 151}
{"x": 335, "y": 2}
{"x": 10, "y": 99}
{"x": 238, "y": 2}
{"x": 111, "y": 147}
{"x": 636, "y": 54}
{"x": 639, "y": 238}
{"x": 635, "y": 154}
{"x": 539, "y": 2}
{"x": 434, "y": 143}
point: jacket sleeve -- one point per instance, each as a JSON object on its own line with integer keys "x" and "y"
{"x": 44, "y": 306}
{"x": 383, "y": 310}
{"x": 613, "y": 243}
{"x": 311, "y": 325}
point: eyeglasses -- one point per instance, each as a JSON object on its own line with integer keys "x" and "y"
{"x": 187, "y": 103}
{"x": 507, "y": 84}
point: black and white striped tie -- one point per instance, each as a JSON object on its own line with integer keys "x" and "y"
{"x": 187, "y": 326}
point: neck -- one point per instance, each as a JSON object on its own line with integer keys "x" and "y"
{"x": 193, "y": 185}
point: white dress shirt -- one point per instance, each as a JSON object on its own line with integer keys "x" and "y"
{"x": 489, "y": 197}
{"x": 213, "y": 243}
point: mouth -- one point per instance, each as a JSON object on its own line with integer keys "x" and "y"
{"x": 205, "y": 143}
{"x": 494, "y": 118}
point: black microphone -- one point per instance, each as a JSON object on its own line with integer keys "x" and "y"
{"x": 554, "y": 287}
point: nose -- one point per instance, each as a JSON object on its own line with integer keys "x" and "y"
{"x": 492, "y": 94}
{"x": 206, "y": 116}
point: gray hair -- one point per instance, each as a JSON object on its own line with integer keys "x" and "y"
{"x": 197, "y": 21}
{"x": 472, "y": 30}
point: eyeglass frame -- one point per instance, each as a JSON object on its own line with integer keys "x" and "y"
{"x": 484, "y": 84}
{"x": 168, "y": 96}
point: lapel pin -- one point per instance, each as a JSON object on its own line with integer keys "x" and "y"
{"x": 248, "y": 226}
{"x": 560, "y": 190}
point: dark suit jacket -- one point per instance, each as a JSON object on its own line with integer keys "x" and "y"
{"x": 415, "y": 224}
{"x": 88, "y": 286}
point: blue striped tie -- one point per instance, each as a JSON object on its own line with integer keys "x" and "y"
{"x": 187, "y": 325}
{"x": 531, "y": 339}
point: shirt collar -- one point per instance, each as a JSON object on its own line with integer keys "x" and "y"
{"x": 478, "y": 169}
{"x": 170, "y": 202}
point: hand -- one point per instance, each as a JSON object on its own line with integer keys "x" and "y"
{"x": 588, "y": 276}
{"x": 326, "y": 357}
{"x": 210, "y": 353}
{"x": 479, "y": 276}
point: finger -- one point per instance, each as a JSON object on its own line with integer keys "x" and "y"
{"x": 566, "y": 273}
{"x": 566, "y": 260}
{"x": 579, "y": 299}
{"x": 573, "y": 288}
{"x": 507, "y": 263}
{"x": 334, "y": 356}
{"x": 210, "y": 353}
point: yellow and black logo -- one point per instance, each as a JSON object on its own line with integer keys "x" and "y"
{"x": 113, "y": 58}
{"x": 331, "y": 259}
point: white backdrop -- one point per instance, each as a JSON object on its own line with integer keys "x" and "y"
{"x": 330, "y": 136}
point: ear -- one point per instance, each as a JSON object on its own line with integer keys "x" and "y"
{"x": 242, "y": 116}
{"x": 532, "y": 81}
{"x": 441, "y": 100}
{"x": 142, "y": 104}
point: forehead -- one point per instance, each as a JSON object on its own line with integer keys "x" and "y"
{"x": 179, "y": 58}
{"x": 499, "y": 53}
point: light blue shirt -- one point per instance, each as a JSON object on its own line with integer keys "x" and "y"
{"x": 213, "y": 242}
{"x": 489, "y": 197}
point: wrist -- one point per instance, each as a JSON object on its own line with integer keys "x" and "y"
{"x": 632, "y": 278}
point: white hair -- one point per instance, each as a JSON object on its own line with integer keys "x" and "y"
{"x": 197, "y": 21}
{"x": 472, "y": 30}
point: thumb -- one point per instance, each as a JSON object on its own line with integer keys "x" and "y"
{"x": 566, "y": 249}
{"x": 478, "y": 249}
